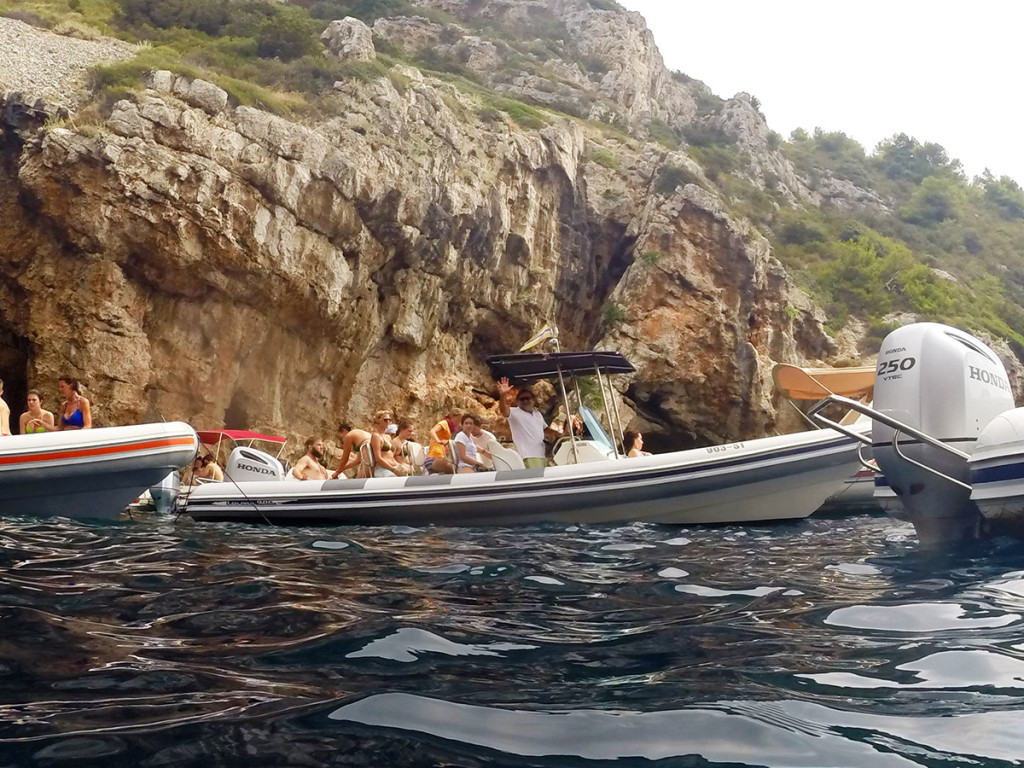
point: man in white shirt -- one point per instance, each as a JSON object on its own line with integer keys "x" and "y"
{"x": 527, "y": 425}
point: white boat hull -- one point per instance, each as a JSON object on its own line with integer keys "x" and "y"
{"x": 777, "y": 478}
{"x": 89, "y": 473}
{"x": 997, "y": 472}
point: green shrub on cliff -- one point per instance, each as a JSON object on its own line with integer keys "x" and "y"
{"x": 523, "y": 115}
{"x": 287, "y": 34}
{"x": 671, "y": 177}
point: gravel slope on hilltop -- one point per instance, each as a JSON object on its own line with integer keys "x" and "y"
{"x": 42, "y": 64}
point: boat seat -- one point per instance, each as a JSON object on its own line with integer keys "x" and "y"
{"x": 366, "y": 461}
{"x": 504, "y": 458}
{"x": 415, "y": 453}
{"x": 586, "y": 450}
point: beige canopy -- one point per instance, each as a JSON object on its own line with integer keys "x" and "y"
{"x": 816, "y": 383}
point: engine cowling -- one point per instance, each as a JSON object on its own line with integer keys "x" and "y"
{"x": 949, "y": 385}
{"x": 248, "y": 464}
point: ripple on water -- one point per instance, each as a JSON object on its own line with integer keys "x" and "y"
{"x": 822, "y": 642}
{"x": 921, "y": 618}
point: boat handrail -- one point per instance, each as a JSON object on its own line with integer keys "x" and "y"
{"x": 898, "y": 428}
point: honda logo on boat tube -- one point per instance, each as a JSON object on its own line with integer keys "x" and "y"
{"x": 260, "y": 470}
{"x": 987, "y": 377}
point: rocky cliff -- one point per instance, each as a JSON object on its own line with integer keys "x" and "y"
{"x": 191, "y": 258}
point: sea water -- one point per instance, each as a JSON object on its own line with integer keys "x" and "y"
{"x": 829, "y": 642}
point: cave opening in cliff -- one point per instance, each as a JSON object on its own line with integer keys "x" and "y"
{"x": 237, "y": 414}
{"x": 15, "y": 352}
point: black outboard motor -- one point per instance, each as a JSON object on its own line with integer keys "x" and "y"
{"x": 948, "y": 385}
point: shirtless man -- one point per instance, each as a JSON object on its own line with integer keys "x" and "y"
{"x": 351, "y": 440}
{"x": 309, "y": 466}
{"x": 210, "y": 469}
{"x": 5, "y": 413}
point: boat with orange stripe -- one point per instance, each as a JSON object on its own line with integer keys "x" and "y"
{"x": 89, "y": 473}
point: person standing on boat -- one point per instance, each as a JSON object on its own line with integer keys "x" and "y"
{"x": 5, "y": 413}
{"x": 309, "y": 466}
{"x": 527, "y": 425}
{"x": 351, "y": 441}
{"x": 35, "y": 412}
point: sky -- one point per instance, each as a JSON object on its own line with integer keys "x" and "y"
{"x": 943, "y": 72}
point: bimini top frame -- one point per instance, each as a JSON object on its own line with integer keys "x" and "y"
{"x": 542, "y": 365}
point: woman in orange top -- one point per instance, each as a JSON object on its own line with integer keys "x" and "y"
{"x": 437, "y": 463}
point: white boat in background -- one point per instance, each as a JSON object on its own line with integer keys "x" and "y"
{"x": 89, "y": 473}
{"x": 945, "y": 434}
{"x": 857, "y": 493}
{"x": 785, "y": 477}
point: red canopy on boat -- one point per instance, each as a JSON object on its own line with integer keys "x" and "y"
{"x": 212, "y": 436}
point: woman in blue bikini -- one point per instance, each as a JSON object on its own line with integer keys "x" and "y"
{"x": 75, "y": 412}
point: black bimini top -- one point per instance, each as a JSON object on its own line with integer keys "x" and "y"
{"x": 541, "y": 366}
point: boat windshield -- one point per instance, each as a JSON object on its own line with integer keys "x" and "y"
{"x": 593, "y": 425}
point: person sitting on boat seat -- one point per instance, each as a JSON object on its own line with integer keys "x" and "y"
{"x": 403, "y": 445}
{"x": 467, "y": 458}
{"x": 351, "y": 441}
{"x": 309, "y": 466}
{"x": 192, "y": 474}
{"x": 527, "y": 425}
{"x": 437, "y": 463}
{"x": 633, "y": 444}
{"x": 384, "y": 464}
{"x": 210, "y": 469}
{"x": 35, "y": 412}
{"x": 483, "y": 440}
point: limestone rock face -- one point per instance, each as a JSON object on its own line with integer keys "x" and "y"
{"x": 629, "y": 82}
{"x": 192, "y": 259}
{"x": 349, "y": 39}
{"x": 707, "y": 311}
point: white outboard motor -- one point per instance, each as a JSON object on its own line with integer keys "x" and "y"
{"x": 248, "y": 464}
{"x": 948, "y": 385}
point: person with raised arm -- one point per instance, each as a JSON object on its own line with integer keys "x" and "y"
{"x": 526, "y": 424}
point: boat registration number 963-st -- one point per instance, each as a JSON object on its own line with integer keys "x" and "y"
{"x": 724, "y": 448}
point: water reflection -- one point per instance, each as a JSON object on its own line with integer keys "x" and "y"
{"x": 181, "y": 644}
{"x": 780, "y": 733}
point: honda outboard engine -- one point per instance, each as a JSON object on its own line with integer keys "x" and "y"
{"x": 247, "y": 464}
{"x": 948, "y": 385}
